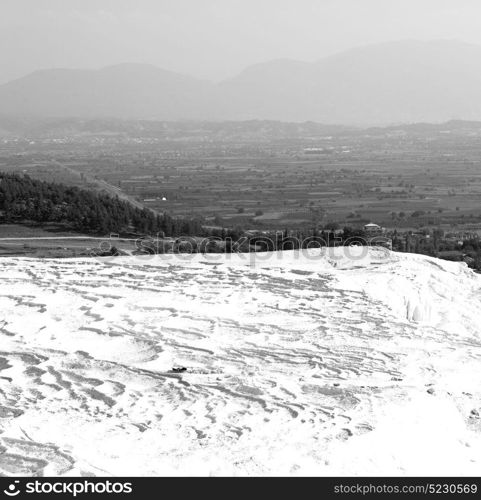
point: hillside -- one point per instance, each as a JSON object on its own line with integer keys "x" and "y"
{"x": 395, "y": 82}
{"x": 385, "y": 83}
{"x": 122, "y": 91}
{"x": 319, "y": 364}
{"x": 25, "y": 199}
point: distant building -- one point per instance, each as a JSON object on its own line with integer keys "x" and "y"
{"x": 317, "y": 151}
{"x": 372, "y": 228}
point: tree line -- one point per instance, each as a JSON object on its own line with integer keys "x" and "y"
{"x": 25, "y": 199}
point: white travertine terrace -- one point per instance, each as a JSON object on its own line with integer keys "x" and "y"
{"x": 320, "y": 364}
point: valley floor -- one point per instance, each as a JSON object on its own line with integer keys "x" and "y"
{"x": 295, "y": 364}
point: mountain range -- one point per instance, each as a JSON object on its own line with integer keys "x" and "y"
{"x": 389, "y": 83}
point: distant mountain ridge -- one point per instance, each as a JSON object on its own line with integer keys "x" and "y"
{"x": 193, "y": 130}
{"x": 389, "y": 83}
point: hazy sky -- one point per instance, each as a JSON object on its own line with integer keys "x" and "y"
{"x": 214, "y": 39}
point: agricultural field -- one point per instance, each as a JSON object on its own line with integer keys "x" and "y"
{"x": 407, "y": 178}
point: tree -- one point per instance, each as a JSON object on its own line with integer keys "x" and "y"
{"x": 23, "y": 198}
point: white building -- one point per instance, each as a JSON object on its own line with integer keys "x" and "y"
{"x": 372, "y": 228}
